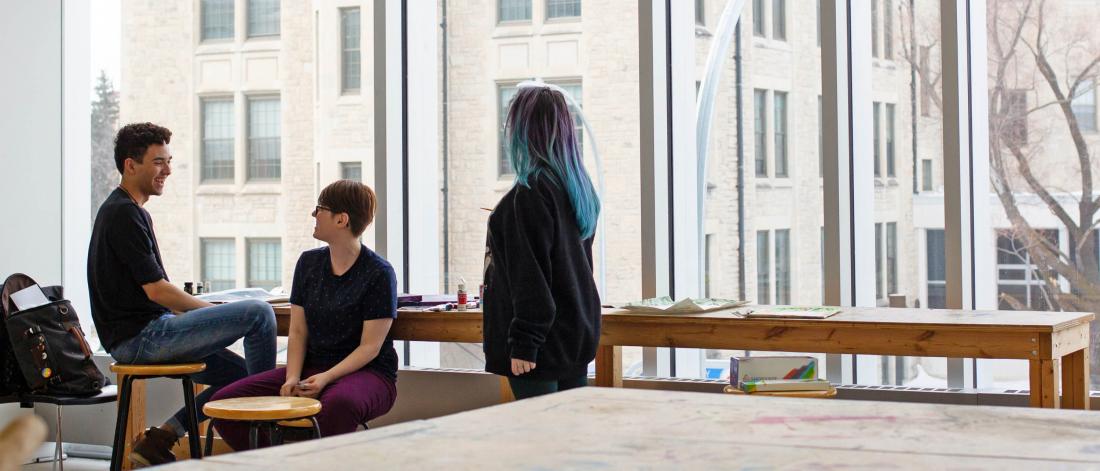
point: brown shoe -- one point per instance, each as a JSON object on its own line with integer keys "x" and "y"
{"x": 153, "y": 447}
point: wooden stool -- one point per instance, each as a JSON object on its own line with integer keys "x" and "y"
{"x": 261, "y": 411}
{"x": 130, "y": 373}
{"x": 831, "y": 393}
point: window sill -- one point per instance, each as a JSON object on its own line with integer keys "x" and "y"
{"x": 772, "y": 44}
{"x": 702, "y": 31}
{"x": 349, "y": 98}
{"x": 261, "y": 44}
{"x": 215, "y": 46}
{"x": 513, "y": 29}
{"x": 267, "y": 187}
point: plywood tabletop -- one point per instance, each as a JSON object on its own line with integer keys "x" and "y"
{"x": 603, "y": 428}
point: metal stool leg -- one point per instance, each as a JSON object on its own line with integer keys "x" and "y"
{"x": 210, "y": 438}
{"x": 192, "y": 418}
{"x": 276, "y": 435}
{"x": 253, "y": 435}
{"x": 57, "y": 451}
{"x": 120, "y": 423}
{"x": 316, "y": 428}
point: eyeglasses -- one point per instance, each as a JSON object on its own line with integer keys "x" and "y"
{"x": 318, "y": 208}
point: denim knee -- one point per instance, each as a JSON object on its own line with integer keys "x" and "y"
{"x": 260, "y": 313}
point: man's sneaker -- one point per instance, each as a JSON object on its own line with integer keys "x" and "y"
{"x": 153, "y": 447}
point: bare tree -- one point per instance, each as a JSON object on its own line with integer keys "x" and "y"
{"x": 1037, "y": 66}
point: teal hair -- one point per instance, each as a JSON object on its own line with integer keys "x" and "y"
{"x": 541, "y": 136}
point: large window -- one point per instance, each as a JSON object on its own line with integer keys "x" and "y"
{"x": 891, "y": 155}
{"x": 263, "y": 18}
{"x": 763, "y": 268}
{"x": 219, "y": 268}
{"x": 782, "y": 266}
{"x": 759, "y": 20}
{"x": 1084, "y": 105}
{"x": 264, "y": 138}
{"x": 514, "y": 10}
{"x": 265, "y": 263}
{"x": 563, "y": 8}
{"x": 350, "y": 62}
{"x": 780, "y": 134}
{"x": 217, "y": 139}
{"x": 760, "y": 131}
{"x": 936, "y": 269}
{"x": 351, "y": 171}
{"x": 779, "y": 20}
{"x": 877, "y": 138}
{"x": 217, "y": 19}
{"x": 1021, "y": 282}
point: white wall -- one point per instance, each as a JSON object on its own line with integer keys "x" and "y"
{"x": 45, "y": 145}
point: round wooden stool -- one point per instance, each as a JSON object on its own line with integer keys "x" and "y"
{"x": 129, "y": 374}
{"x": 831, "y": 393}
{"x": 262, "y": 411}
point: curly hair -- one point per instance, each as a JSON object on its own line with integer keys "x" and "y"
{"x": 134, "y": 139}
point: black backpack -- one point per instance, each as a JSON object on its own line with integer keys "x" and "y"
{"x": 45, "y": 344}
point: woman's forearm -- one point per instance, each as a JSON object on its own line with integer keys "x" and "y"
{"x": 355, "y": 361}
{"x": 295, "y": 355}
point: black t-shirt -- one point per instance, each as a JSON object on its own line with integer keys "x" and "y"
{"x": 122, "y": 256}
{"x": 337, "y": 306}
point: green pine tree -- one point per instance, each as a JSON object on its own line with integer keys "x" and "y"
{"x": 104, "y": 123}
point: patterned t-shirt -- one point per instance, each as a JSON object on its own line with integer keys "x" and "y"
{"x": 336, "y": 306}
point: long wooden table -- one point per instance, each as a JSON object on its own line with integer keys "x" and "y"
{"x": 1052, "y": 342}
{"x": 604, "y": 428}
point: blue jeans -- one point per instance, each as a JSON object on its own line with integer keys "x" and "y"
{"x": 202, "y": 335}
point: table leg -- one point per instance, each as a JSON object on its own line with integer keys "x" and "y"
{"x": 506, "y": 390}
{"x": 1044, "y": 383}
{"x": 609, "y": 366}
{"x": 135, "y": 419}
{"x": 1075, "y": 380}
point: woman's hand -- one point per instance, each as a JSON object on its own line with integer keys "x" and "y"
{"x": 289, "y": 388}
{"x": 313, "y": 385}
{"x": 521, "y": 366}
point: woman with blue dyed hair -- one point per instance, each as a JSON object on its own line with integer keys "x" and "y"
{"x": 541, "y": 305}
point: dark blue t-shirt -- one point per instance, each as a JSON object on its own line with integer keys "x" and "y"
{"x": 336, "y": 306}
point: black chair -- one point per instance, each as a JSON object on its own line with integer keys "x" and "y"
{"x": 28, "y": 400}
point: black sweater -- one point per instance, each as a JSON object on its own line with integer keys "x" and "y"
{"x": 541, "y": 302}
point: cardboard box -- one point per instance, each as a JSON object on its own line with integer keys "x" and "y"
{"x": 744, "y": 369}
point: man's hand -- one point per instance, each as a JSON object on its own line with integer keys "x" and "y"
{"x": 521, "y": 366}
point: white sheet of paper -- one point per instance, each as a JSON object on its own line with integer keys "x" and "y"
{"x": 29, "y": 297}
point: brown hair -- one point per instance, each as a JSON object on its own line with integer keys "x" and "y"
{"x": 353, "y": 198}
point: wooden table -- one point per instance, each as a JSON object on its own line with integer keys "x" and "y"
{"x": 1050, "y": 341}
{"x": 604, "y": 428}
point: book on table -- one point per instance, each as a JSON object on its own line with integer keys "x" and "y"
{"x": 231, "y": 295}
{"x": 667, "y": 305}
{"x": 790, "y": 385}
{"x": 793, "y": 312}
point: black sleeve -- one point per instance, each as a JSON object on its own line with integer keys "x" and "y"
{"x": 380, "y": 299}
{"x": 528, "y": 238}
{"x": 297, "y": 284}
{"x": 132, "y": 240}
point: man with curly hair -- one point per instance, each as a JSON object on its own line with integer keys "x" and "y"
{"x": 142, "y": 318}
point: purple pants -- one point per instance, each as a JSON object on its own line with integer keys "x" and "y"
{"x": 345, "y": 403}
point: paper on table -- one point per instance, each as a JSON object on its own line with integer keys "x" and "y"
{"x": 29, "y": 298}
{"x": 666, "y": 305}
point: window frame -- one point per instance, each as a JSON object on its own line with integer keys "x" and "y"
{"x": 251, "y": 165}
{"x": 250, "y": 24}
{"x": 250, "y": 244}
